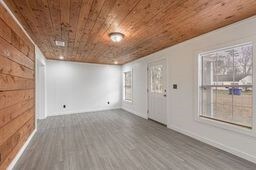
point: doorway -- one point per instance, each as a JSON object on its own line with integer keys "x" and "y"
{"x": 40, "y": 90}
{"x": 157, "y": 94}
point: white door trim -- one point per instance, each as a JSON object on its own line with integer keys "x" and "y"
{"x": 164, "y": 61}
{"x": 40, "y": 90}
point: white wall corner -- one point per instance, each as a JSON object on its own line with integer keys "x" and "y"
{"x": 40, "y": 56}
{"x": 134, "y": 112}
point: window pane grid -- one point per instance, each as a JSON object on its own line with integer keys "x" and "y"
{"x": 226, "y": 88}
{"x": 128, "y": 86}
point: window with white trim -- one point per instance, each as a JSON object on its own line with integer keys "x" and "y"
{"x": 226, "y": 85}
{"x": 127, "y": 86}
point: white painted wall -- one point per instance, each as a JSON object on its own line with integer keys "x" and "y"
{"x": 81, "y": 87}
{"x": 182, "y": 103}
{"x": 40, "y": 84}
{"x": 40, "y": 56}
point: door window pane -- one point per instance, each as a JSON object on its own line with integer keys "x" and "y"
{"x": 157, "y": 79}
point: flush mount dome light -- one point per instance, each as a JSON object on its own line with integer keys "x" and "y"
{"x": 61, "y": 57}
{"x": 116, "y": 36}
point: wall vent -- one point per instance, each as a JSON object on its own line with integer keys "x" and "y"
{"x": 60, "y": 43}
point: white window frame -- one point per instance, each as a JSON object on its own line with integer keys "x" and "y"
{"x": 124, "y": 97}
{"x": 219, "y": 124}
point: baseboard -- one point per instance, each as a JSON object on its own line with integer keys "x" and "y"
{"x": 216, "y": 144}
{"x": 17, "y": 157}
{"x": 41, "y": 118}
{"x": 85, "y": 111}
{"x": 135, "y": 113}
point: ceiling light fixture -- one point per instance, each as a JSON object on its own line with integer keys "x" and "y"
{"x": 115, "y": 62}
{"x": 61, "y": 57}
{"x": 116, "y": 36}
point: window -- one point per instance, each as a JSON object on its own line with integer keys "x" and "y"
{"x": 226, "y": 85}
{"x": 127, "y": 86}
{"x": 157, "y": 79}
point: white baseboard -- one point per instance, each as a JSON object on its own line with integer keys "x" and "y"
{"x": 41, "y": 118}
{"x": 17, "y": 157}
{"x": 216, "y": 144}
{"x": 85, "y": 111}
{"x": 135, "y": 113}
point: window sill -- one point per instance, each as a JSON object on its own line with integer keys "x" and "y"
{"x": 226, "y": 122}
{"x": 227, "y": 126}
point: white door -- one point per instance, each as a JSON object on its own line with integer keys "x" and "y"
{"x": 157, "y": 78}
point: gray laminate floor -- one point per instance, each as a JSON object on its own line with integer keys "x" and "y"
{"x": 119, "y": 140}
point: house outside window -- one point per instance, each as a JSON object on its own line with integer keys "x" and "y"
{"x": 226, "y": 85}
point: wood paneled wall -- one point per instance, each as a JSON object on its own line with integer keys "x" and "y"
{"x": 17, "y": 88}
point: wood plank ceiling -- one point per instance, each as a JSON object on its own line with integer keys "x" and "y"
{"x": 148, "y": 25}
